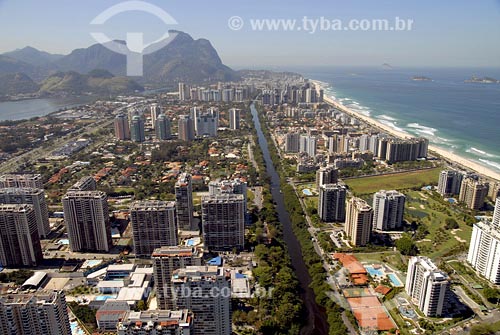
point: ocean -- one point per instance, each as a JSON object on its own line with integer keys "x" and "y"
{"x": 463, "y": 118}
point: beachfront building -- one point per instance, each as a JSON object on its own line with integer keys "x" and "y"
{"x": 223, "y": 221}
{"x": 19, "y": 240}
{"x": 327, "y": 175}
{"x": 402, "y": 150}
{"x": 179, "y": 322}
{"x": 358, "y": 221}
{"x": 122, "y": 129}
{"x": 212, "y": 311}
{"x": 41, "y": 312}
{"x": 450, "y": 182}
{"x": 86, "y": 216}
{"x": 388, "y": 210}
{"x": 473, "y": 192}
{"x": 30, "y": 196}
{"x": 184, "y": 202}
{"x": 427, "y": 286}
{"x": 154, "y": 224}
{"x": 331, "y": 204}
{"x": 165, "y": 261}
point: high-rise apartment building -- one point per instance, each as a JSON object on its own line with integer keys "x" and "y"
{"x": 234, "y": 118}
{"x": 212, "y": 311}
{"x": 327, "y": 175}
{"x": 19, "y": 240}
{"x": 184, "y": 92}
{"x": 122, "y": 129}
{"x": 184, "y": 202}
{"x": 155, "y": 111}
{"x": 331, "y": 205}
{"x": 223, "y": 221}
{"x": 484, "y": 249}
{"x": 137, "y": 129}
{"x": 206, "y": 123}
{"x": 86, "y": 216}
{"x": 186, "y": 128}
{"x": 21, "y": 180}
{"x": 450, "y": 182}
{"x": 388, "y": 210}
{"x": 427, "y": 286}
{"x": 292, "y": 142}
{"x": 154, "y": 225}
{"x": 165, "y": 261}
{"x": 473, "y": 192}
{"x": 42, "y": 312}
{"x": 162, "y": 128}
{"x": 358, "y": 221}
{"x": 86, "y": 183}
{"x": 30, "y": 196}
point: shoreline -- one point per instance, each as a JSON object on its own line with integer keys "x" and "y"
{"x": 445, "y": 155}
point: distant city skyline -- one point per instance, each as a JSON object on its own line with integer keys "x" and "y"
{"x": 453, "y": 34}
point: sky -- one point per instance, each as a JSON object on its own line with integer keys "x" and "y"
{"x": 445, "y": 33}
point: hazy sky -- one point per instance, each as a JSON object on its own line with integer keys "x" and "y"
{"x": 445, "y": 33}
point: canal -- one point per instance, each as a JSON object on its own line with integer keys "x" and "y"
{"x": 317, "y": 323}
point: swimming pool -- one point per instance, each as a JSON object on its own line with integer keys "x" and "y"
{"x": 75, "y": 329}
{"x": 374, "y": 272}
{"x": 104, "y": 297}
{"x": 307, "y": 192}
{"x": 395, "y": 280}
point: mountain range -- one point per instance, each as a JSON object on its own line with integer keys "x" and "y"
{"x": 183, "y": 59}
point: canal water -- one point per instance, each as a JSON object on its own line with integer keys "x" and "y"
{"x": 317, "y": 320}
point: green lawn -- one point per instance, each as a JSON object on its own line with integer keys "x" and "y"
{"x": 400, "y": 181}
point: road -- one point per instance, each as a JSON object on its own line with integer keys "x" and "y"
{"x": 44, "y": 150}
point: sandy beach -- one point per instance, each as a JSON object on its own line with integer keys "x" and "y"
{"x": 449, "y": 156}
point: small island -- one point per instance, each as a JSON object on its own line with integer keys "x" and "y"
{"x": 484, "y": 80}
{"x": 421, "y": 78}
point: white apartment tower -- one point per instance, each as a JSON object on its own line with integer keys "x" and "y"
{"x": 388, "y": 210}
{"x": 428, "y": 286}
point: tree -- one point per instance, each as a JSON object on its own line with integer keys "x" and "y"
{"x": 451, "y": 223}
{"x": 491, "y": 294}
{"x": 406, "y": 246}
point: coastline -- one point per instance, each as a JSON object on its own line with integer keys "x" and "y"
{"x": 446, "y": 155}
